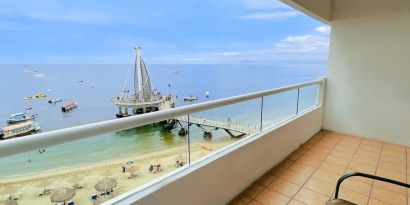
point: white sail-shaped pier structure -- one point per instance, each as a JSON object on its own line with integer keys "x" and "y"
{"x": 144, "y": 99}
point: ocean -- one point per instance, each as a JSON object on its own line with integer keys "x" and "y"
{"x": 93, "y": 86}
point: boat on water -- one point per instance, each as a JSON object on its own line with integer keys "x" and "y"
{"x": 20, "y": 117}
{"x": 54, "y": 100}
{"x": 190, "y": 98}
{"x": 20, "y": 129}
{"x": 40, "y": 95}
{"x": 68, "y": 106}
{"x": 143, "y": 98}
{"x": 207, "y": 93}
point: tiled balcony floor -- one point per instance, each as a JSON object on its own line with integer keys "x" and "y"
{"x": 309, "y": 175}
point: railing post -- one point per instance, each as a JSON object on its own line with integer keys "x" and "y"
{"x": 189, "y": 144}
{"x": 261, "y": 127}
{"x": 297, "y": 102}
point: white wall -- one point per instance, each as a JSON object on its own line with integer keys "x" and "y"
{"x": 368, "y": 87}
{"x": 218, "y": 181}
{"x": 319, "y": 9}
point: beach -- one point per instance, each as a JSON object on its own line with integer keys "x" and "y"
{"x": 27, "y": 187}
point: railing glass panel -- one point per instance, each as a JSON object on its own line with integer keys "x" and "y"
{"x": 279, "y": 107}
{"x": 214, "y": 129}
{"x": 308, "y": 97}
{"x": 129, "y": 158}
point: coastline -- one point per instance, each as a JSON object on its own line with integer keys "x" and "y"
{"x": 29, "y": 185}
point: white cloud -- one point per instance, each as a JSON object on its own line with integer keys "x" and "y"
{"x": 325, "y": 30}
{"x": 275, "y": 15}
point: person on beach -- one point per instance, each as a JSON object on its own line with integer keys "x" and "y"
{"x": 123, "y": 168}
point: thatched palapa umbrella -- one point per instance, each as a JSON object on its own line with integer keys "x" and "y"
{"x": 106, "y": 184}
{"x": 62, "y": 195}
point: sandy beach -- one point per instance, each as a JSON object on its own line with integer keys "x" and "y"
{"x": 28, "y": 187}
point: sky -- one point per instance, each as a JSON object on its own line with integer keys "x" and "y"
{"x": 169, "y": 32}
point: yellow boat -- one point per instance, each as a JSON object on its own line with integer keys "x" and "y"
{"x": 40, "y": 95}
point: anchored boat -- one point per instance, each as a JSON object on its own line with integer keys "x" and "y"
{"x": 54, "y": 100}
{"x": 190, "y": 98}
{"x": 19, "y": 130}
{"x": 144, "y": 99}
{"x": 19, "y": 117}
{"x": 68, "y": 106}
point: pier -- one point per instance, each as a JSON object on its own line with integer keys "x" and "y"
{"x": 228, "y": 126}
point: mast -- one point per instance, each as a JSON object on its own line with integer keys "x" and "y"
{"x": 138, "y": 84}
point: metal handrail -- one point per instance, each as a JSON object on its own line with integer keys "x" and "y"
{"x": 41, "y": 140}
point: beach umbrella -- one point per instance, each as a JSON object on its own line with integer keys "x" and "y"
{"x": 106, "y": 184}
{"x": 11, "y": 202}
{"x": 133, "y": 169}
{"x": 62, "y": 195}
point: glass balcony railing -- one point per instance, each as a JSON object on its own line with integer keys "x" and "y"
{"x": 93, "y": 163}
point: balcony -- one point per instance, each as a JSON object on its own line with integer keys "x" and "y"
{"x": 222, "y": 139}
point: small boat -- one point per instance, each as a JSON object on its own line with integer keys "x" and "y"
{"x": 175, "y": 71}
{"x": 54, "y": 100}
{"x": 40, "y": 95}
{"x": 79, "y": 81}
{"x": 49, "y": 90}
{"x": 19, "y": 117}
{"x": 18, "y": 130}
{"x": 207, "y": 94}
{"x": 190, "y": 98}
{"x": 68, "y": 106}
{"x": 28, "y": 98}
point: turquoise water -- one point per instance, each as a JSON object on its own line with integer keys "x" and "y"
{"x": 102, "y": 82}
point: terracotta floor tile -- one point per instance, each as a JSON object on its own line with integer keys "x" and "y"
{"x": 367, "y": 154}
{"x": 365, "y": 160}
{"x": 352, "y": 196}
{"x": 266, "y": 180}
{"x": 393, "y": 160}
{"x": 276, "y": 172}
{"x": 357, "y": 186}
{"x": 376, "y": 202}
{"x": 294, "y": 202}
{"x": 391, "y": 187}
{"x": 328, "y": 177}
{"x": 388, "y": 196}
{"x": 286, "y": 163}
{"x": 310, "y": 161}
{"x": 360, "y": 179}
{"x": 310, "y": 197}
{"x": 284, "y": 187}
{"x": 338, "y": 161}
{"x": 370, "y": 148}
{"x": 321, "y": 149}
{"x": 394, "y": 147}
{"x": 391, "y": 174}
{"x": 240, "y": 200}
{"x": 315, "y": 155}
{"x": 331, "y": 167}
{"x": 253, "y": 202}
{"x": 302, "y": 168}
{"x": 320, "y": 186}
{"x": 253, "y": 190}
{"x": 401, "y": 155}
{"x": 341, "y": 154}
{"x": 390, "y": 166}
{"x": 345, "y": 148}
{"x": 270, "y": 197}
{"x": 294, "y": 177}
{"x": 361, "y": 167}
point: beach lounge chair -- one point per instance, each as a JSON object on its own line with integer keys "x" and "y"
{"x": 94, "y": 197}
{"x": 71, "y": 202}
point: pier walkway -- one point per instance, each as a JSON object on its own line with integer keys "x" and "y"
{"x": 219, "y": 124}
